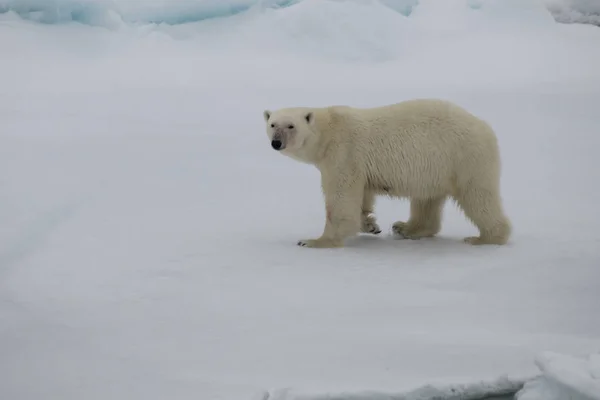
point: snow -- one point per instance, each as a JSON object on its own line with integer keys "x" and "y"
{"x": 500, "y": 389}
{"x": 564, "y": 377}
{"x": 578, "y": 11}
{"x": 111, "y": 13}
{"x": 148, "y": 231}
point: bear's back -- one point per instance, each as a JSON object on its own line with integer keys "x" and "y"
{"x": 415, "y": 146}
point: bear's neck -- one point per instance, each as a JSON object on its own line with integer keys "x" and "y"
{"x": 314, "y": 152}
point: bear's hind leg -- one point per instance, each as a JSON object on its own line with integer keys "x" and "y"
{"x": 368, "y": 220}
{"x": 484, "y": 208}
{"x": 425, "y": 219}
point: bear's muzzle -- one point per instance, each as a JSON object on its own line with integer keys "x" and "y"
{"x": 277, "y": 142}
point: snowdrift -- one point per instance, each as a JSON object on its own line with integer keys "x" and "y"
{"x": 564, "y": 377}
{"x": 575, "y": 11}
{"x": 504, "y": 41}
{"x": 502, "y": 388}
{"x": 111, "y": 13}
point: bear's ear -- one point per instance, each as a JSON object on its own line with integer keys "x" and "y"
{"x": 266, "y": 115}
{"x": 309, "y": 117}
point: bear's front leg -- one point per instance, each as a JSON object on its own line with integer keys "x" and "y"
{"x": 368, "y": 220}
{"x": 343, "y": 219}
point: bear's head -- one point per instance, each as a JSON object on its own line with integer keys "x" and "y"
{"x": 290, "y": 130}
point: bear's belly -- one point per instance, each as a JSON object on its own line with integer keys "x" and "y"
{"x": 382, "y": 187}
{"x": 403, "y": 171}
{"x": 409, "y": 186}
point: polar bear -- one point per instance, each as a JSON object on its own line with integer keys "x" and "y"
{"x": 425, "y": 150}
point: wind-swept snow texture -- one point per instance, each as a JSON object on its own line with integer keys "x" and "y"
{"x": 148, "y": 231}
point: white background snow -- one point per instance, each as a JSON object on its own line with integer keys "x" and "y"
{"x": 148, "y": 232}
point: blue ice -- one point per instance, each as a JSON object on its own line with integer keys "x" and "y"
{"x": 175, "y": 12}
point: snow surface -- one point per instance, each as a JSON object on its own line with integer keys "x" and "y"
{"x": 147, "y": 235}
{"x": 564, "y": 377}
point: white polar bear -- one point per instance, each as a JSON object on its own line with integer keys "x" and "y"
{"x": 424, "y": 150}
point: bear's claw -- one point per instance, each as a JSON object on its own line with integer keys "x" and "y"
{"x": 369, "y": 225}
{"x": 320, "y": 243}
{"x": 375, "y": 230}
{"x": 404, "y": 231}
{"x": 478, "y": 240}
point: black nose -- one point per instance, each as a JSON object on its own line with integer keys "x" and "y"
{"x": 276, "y": 144}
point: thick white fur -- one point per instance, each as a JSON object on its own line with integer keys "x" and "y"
{"x": 424, "y": 150}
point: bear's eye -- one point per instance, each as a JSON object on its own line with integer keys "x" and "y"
{"x": 272, "y": 125}
{"x": 291, "y": 126}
